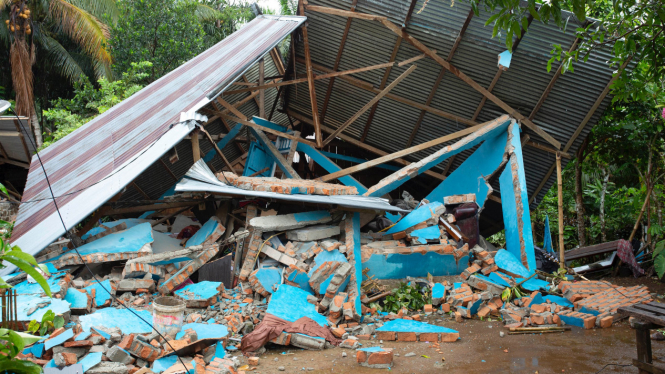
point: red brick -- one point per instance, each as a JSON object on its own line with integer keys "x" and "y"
{"x": 385, "y": 335}
{"x": 429, "y": 337}
{"x": 449, "y": 336}
{"x": 364, "y": 337}
{"x": 445, "y": 307}
{"x": 361, "y": 356}
{"x": 78, "y": 344}
{"x": 606, "y": 322}
{"x": 253, "y": 361}
{"x": 385, "y": 357}
{"x": 406, "y": 337}
{"x": 538, "y": 308}
{"x": 428, "y": 309}
{"x": 126, "y": 342}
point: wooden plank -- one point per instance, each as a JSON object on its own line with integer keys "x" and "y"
{"x": 338, "y": 58}
{"x": 439, "y": 78}
{"x": 384, "y": 80}
{"x": 359, "y": 144}
{"x": 545, "y": 148}
{"x": 651, "y": 307}
{"x": 647, "y": 368}
{"x": 369, "y": 87}
{"x": 343, "y": 13}
{"x": 412, "y": 59}
{"x": 550, "y": 85}
{"x": 156, "y": 207}
{"x": 642, "y": 315}
{"x": 269, "y": 130}
{"x": 277, "y": 60}
{"x": 484, "y": 99}
{"x": 279, "y": 159}
{"x": 310, "y": 81}
{"x": 168, "y": 170}
{"x": 219, "y": 151}
{"x": 369, "y": 104}
{"x": 451, "y": 159}
{"x": 292, "y": 149}
{"x": 25, "y": 145}
{"x": 412, "y": 6}
{"x": 16, "y": 163}
{"x": 262, "y": 91}
{"x": 140, "y": 191}
{"x": 408, "y": 151}
{"x": 458, "y": 73}
{"x": 232, "y": 109}
{"x": 196, "y": 151}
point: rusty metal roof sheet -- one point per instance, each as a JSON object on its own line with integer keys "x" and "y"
{"x": 98, "y": 160}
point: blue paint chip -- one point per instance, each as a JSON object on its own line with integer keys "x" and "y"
{"x": 495, "y": 278}
{"x": 77, "y": 299}
{"x": 204, "y": 232}
{"x": 372, "y": 349}
{"x": 101, "y": 295}
{"x": 68, "y": 334}
{"x": 101, "y": 332}
{"x": 161, "y": 364}
{"x": 269, "y": 277}
{"x": 82, "y": 336}
{"x": 504, "y": 58}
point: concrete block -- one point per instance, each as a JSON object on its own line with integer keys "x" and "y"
{"x": 308, "y": 342}
{"x": 117, "y": 354}
{"x": 313, "y": 233}
{"x": 290, "y": 221}
{"x": 375, "y": 357}
{"x": 109, "y": 368}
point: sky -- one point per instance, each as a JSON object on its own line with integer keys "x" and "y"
{"x": 270, "y": 4}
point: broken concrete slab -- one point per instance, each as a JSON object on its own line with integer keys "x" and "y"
{"x": 421, "y": 236}
{"x": 31, "y": 307}
{"x": 188, "y": 269}
{"x": 265, "y": 280}
{"x": 509, "y": 264}
{"x": 290, "y": 303}
{"x": 80, "y": 301}
{"x": 207, "y": 234}
{"x": 421, "y": 331}
{"x": 101, "y": 292}
{"x": 123, "y": 319}
{"x": 322, "y": 270}
{"x": 201, "y": 294}
{"x": 417, "y": 261}
{"x": 205, "y": 330}
{"x": 313, "y": 233}
{"x": 354, "y": 254}
{"x": 286, "y": 186}
{"x": 291, "y": 221}
{"x": 375, "y": 357}
{"x": 429, "y": 211}
{"x": 139, "y": 270}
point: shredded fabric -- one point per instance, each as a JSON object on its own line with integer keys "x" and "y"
{"x": 271, "y": 327}
{"x": 625, "y": 252}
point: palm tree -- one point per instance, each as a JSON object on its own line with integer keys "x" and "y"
{"x": 37, "y": 29}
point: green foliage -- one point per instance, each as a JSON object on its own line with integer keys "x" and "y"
{"x": 222, "y": 18}
{"x": 166, "y": 33}
{"x": 49, "y": 323}
{"x": 89, "y": 101}
{"x": 405, "y": 296}
{"x": 659, "y": 259}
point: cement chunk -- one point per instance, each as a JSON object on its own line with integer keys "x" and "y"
{"x": 290, "y": 221}
{"x": 313, "y": 233}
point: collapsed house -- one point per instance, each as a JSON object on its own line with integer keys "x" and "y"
{"x": 206, "y": 184}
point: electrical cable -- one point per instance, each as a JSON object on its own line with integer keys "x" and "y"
{"x": 621, "y": 365}
{"x": 76, "y": 248}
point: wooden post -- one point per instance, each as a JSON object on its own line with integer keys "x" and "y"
{"x": 310, "y": 83}
{"x": 262, "y": 92}
{"x": 643, "y": 340}
{"x": 562, "y": 261}
{"x": 196, "y": 152}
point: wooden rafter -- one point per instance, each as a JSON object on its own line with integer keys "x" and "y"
{"x": 262, "y": 91}
{"x": 586, "y": 119}
{"x": 344, "y": 13}
{"x": 140, "y": 191}
{"x": 219, "y": 151}
{"x": 358, "y": 143}
{"x": 340, "y": 50}
{"x": 196, "y": 151}
{"x": 371, "y": 103}
{"x": 231, "y": 108}
{"x": 545, "y": 148}
{"x": 435, "y": 87}
{"x": 384, "y": 80}
{"x": 310, "y": 81}
{"x": 408, "y": 151}
{"x": 500, "y": 71}
{"x": 168, "y": 170}
{"x": 409, "y": 13}
{"x": 265, "y": 129}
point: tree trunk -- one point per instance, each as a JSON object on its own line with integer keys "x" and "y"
{"x": 606, "y": 179}
{"x": 36, "y": 129}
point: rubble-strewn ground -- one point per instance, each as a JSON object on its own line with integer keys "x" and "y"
{"x": 481, "y": 350}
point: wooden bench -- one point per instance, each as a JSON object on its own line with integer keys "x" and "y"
{"x": 593, "y": 250}
{"x": 648, "y": 317}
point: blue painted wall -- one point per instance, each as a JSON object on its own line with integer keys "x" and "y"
{"x": 469, "y": 176}
{"x": 357, "y": 255}
{"x": 399, "y": 266}
{"x": 518, "y": 234}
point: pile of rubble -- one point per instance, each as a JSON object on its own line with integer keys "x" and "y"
{"x": 308, "y": 279}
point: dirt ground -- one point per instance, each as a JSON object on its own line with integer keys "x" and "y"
{"x": 482, "y": 350}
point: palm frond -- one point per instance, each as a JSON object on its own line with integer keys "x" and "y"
{"x": 21, "y": 63}
{"x": 102, "y": 9}
{"x": 4, "y": 31}
{"x": 4, "y": 3}
{"x": 84, "y": 29}
{"x": 207, "y": 13}
{"x": 58, "y": 57}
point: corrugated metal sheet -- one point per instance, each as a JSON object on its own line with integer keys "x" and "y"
{"x": 95, "y": 162}
{"x": 437, "y": 26}
{"x": 15, "y": 143}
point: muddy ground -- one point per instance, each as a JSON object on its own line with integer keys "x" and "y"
{"x": 482, "y": 350}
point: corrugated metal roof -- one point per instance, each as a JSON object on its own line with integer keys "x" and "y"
{"x": 437, "y": 26}
{"x": 15, "y": 144}
{"x": 95, "y": 162}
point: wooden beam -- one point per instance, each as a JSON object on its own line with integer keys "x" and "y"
{"x": 168, "y": 170}
{"x": 235, "y": 105}
{"x": 409, "y": 13}
{"x": 343, "y": 13}
{"x": 458, "y": 73}
{"x": 279, "y": 159}
{"x": 412, "y": 59}
{"x": 370, "y": 104}
{"x": 268, "y": 130}
{"x": 196, "y": 151}
{"x": 358, "y": 143}
{"x": 140, "y": 191}
{"x": 384, "y": 80}
{"x": 292, "y": 149}
{"x": 439, "y": 78}
{"x": 342, "y": 44}
{"x": 25, "y": 144}
{"x": 310, "y": 81}
{"x": 406, "y": 152}
{"x": 262, "y": 91}
{"x": 551, "y": 84}
{"x": 97, "y": 215}
{"x": 369, "y": 87}
{"x": 232, "y": 109}
{"x": 16, "y": 163}
{"x": 586, "y": 119}
{"x": 219, "y": 151}
{"x": 277, "y": 60}
{"x": 545, "y": 148}
{"x": 449, "y": 164}
{"x": 146, "y": 208}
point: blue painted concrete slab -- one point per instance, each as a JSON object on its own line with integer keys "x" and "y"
{"x": 573, "y": 321}
{"x": 559, "y": 300}
{"x": 161, "y": 364}
{"x": 469, "y": 177}
{"x": 398, "y": 266}
{"x": 498, "y": 280}
{"x": 83, "y": 336}
{"x": 320, "y": 259}
{"x": 205, "y": 331}
{"x": 372, "y": 349}
{"x": 100, "y": 332}
{"x": 331, "y": 167}
{"x": 358, "y": 268}
{"x": 204, "y": 233}
{"x": 290, "y": 303}
{"x": 547, "y": 234}
{"x": 405, "y": 325}
{"x": 301, "y": 279}
{"x": 129, "y": 222}
{"x": 269, "y": 277}
{"x": 534, "y": 284}
{"x": 90, "y": 360}
{"x": 131, "y": 240}
{"x": 76, "y": 298}
{"x": 63, "y": 337}
{"x": 589, "y": 311}
{"x": 36, "y": 349}
{"x": 507, "y": 261}
{"x": 27, "y": 302}
{"x": 220, "y": 352}
{"x": 417, "y": 216}
{"x": 121, "y": 318}
{"x": 101, "y": 295}
{"x": 203, "y": 290}
{"x": 428, "y": 233}
{"x": 438, "y": 291}
{"x": 311, "y": 216}
{"x": 27, "y": 288}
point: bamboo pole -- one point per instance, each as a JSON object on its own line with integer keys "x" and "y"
{"x": 562, "y": 261}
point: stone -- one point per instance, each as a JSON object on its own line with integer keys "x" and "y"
{"x": 64, "y": 359}
{"x": 253, "y": 361}
{"x": 281, "y": 368}
{"x": 105, "y": 367}
{"x": 117, "y": 354}
{"x": 313, "y": 233}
